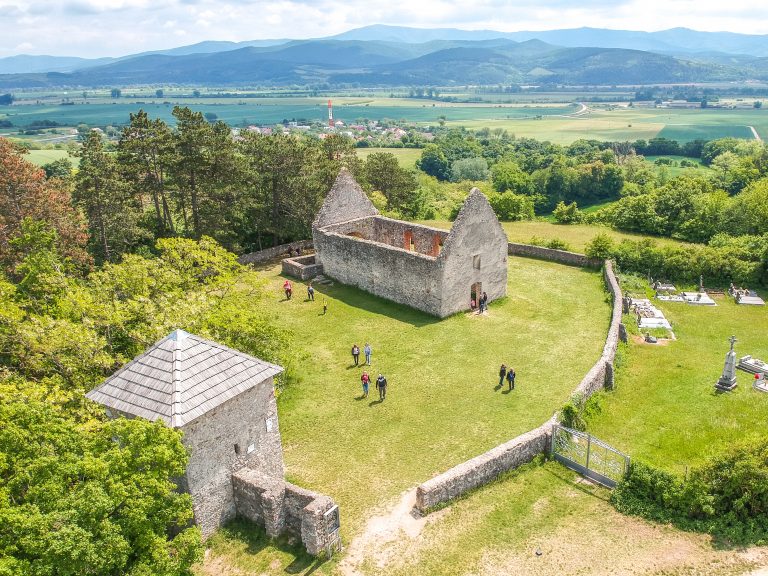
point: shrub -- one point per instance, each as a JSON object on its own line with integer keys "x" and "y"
{"x": 601, "y": 246}
{"x": 567, "y": 213}
{"x": 511, "y": 206}
{"x": 727, "y": 496}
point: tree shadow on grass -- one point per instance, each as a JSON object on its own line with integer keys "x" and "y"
{"x": 241, "y": 531}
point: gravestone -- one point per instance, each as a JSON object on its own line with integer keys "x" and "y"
{"x": 727, "y": 381}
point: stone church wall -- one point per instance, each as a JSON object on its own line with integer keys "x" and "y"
{"x": 393, "y": 273}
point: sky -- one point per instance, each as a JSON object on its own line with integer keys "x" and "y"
{"x": 93, "y": 28}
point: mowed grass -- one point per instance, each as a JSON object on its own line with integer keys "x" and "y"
{"x": 664, "y": 409}
{"x": 698, "y": 170}
{"x": 405, "y": 156}
{"x": 577, "y": 236}
{"x": 442, "y": 406}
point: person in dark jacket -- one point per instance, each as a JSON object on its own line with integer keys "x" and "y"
{"x": 502, "y": 374}
{"x": 381, "y": 386}
{"x": 511, "y": 379}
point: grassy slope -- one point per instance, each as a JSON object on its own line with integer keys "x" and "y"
{"x": 577, "y": 235}
{"x": 664, "y": 409}
{"x": 442, "y": 407}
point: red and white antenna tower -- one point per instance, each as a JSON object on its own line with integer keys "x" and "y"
{"x": 330, "y": 114}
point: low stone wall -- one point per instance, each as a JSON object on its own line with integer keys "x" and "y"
{"x": 482, "y": 469}
{"x": 561, "y": 256}
{"x": 302, "y": 267}
{"x": 274, "y": 252}
{"x": 282, "y": 508}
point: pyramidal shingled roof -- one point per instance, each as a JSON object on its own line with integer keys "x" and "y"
{"x": 180, "y": 378}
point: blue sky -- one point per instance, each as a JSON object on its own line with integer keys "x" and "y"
{"x": 92, "y": 28}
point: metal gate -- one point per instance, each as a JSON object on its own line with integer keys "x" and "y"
{"x": 588, "y": 456}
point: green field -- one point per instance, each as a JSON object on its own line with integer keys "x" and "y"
{"x": 405, "y": 156}
{"x": 271, "y": 111}
{"x": 41, "y": 157}
{"x": 664, "y": 409}
{"x": 673, "y": 171}
{"x": 544, "y": 118}
{"x": 686, "y": 133}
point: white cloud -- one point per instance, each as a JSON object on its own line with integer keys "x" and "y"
{"x": 118, "y": 27}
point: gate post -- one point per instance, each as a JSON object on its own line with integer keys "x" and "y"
{"x": 589, "y": 445}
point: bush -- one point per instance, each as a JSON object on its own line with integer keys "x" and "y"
{"x": 601, "y": 246}
{"x": 510, "y": 206}
{"x": 567, "y": 213}
{"x": 469, "y": 169}
{"x": 727, "y": 496}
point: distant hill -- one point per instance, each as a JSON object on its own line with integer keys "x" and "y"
{"x": 25, "y": 63}
{"x": 403, "y": 42}
{"x": 391, "y": 63}
{"x": 674, "y": 40}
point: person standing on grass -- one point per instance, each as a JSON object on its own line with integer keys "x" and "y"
{"x": 310, "y": 292}
{"x": 325, "y": 307}
{"x": 365, "y": 379}
{"x": 483, "y": 302}
{"x": 367, "y": 351}
{"x": 288, "y": 288}
{"x": 356, "y": 354}
{"x": 502, "y": 374}
{"x": 381, "y": 386}
{"x": 511, "y": 378}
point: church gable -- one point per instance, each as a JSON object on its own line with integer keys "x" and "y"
{"x": 346, "y": 201}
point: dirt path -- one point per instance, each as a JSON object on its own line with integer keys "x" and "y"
{"x": 376, "y": 544}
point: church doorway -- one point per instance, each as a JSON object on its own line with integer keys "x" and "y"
{"x": 475, "y": 291}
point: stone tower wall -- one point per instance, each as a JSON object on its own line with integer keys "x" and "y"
{"x": 243, "y": 421}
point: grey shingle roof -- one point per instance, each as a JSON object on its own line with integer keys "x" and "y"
{"x": 180, "y": 378}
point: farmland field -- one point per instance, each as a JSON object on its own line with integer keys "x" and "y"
{"x": 542, "y": 119}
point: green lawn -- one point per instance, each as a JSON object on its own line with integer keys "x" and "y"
{"x": 664, "y": 409}
{"x": 405, "y": 156}
{"x": 442, "y": 407}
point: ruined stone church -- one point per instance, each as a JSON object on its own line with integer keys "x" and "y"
{"x": 429, "y": 269}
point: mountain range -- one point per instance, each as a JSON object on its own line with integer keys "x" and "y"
{"x": 394, "y": 56}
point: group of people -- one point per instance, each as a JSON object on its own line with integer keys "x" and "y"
{"x": 367, "y": 350}
{"x": 509, "y": 374}
{"x": 481, "y": 304}
{"x": 381, "y": 385}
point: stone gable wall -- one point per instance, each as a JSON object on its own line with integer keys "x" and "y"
{"x": 211, "y": 440}
{"x": 481, "y": 469}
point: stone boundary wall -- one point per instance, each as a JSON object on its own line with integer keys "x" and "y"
{"x": 480, "y": 470}
{"x": 302, "y": 267}
{"x": 274, "y": 252}
{"x": 282, "y": 508}
{"x": 561, "y": 256}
